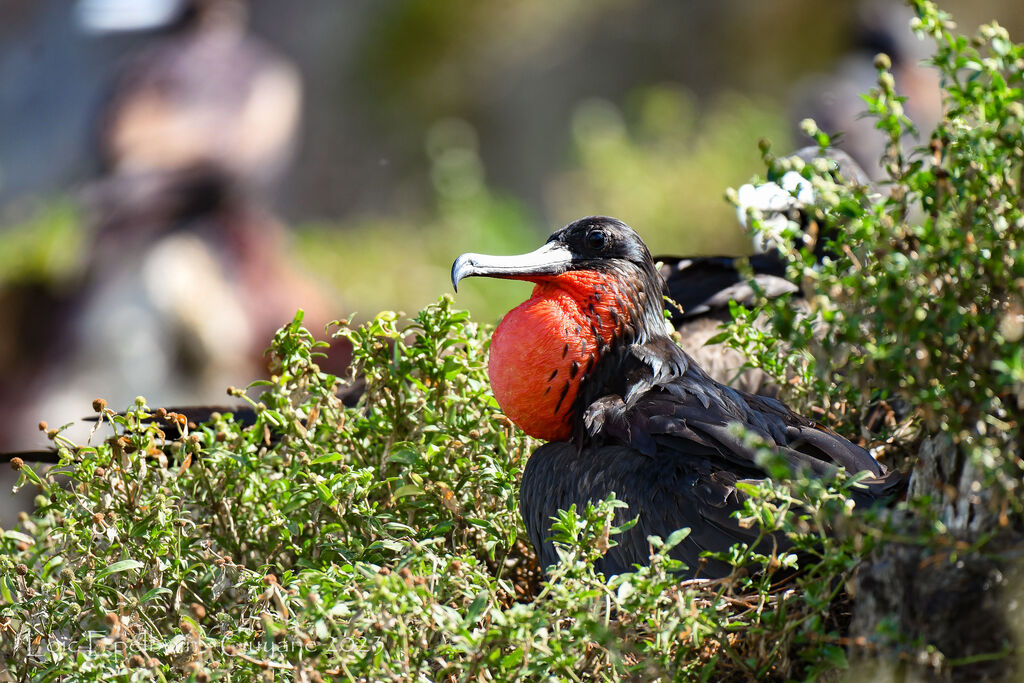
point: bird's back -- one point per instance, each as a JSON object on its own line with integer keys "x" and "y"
{"x": 674, "y": 457}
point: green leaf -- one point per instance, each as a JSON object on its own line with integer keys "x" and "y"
{"x": 476, "y": 607}
{"x": 51, "y": 564}
{"x": 30, "y": 474}
{"x": 512, "y": 659}
{"x": 835, "y": 656}
{"x": 117, "y": 567}
{"x": 407, "y": 490}
{"x": 149, "y": 595}
{"x": 676, "y": 537}
{"x": 324, "y": 459}
{"x": 18, "y": 536}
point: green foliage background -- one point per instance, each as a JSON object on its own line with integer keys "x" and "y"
{"x": 383, "y": 541}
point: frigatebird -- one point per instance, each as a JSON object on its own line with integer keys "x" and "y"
{"x": 587, "y": 364}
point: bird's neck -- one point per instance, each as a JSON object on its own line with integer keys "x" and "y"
{"x": 544, "y": 349}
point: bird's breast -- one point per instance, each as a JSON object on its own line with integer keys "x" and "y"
{"x": 544, "y": 348}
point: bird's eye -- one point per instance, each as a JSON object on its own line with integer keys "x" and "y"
{"x": 596, "y": 240}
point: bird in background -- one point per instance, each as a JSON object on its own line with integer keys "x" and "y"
{"x": 833, "y": 99}
{"x": 185, "y": 279}
{"x": 703, "y": 287}
{"x": 587, "y": 364}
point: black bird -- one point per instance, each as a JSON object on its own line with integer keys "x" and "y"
{"x": 587, "y": 365}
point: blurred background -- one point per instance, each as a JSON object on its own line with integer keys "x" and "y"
{"x": 178, "y": 176}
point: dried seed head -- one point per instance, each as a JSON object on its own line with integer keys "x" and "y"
{"x": 17, "y": 464}
{"x": 198, "y": 611}
{"x": 21, "y": 569}
{"x": 112, "y": 619}
{"x": 43, "y": 426}
{"x": 98, "y": 518}
{"x": 136, "y": 661}
{"x": 98, "y": 404}
{"x": 270, "y": 579}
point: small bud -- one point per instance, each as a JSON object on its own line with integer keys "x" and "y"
{"x": 66, "y": 574}
{"x": 98, "y": 404}
{"x": 886, "y": 81}
{"x": 882, "y": 62}
{"x": 17, "y": 464}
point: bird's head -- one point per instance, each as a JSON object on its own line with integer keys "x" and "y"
{"x": 589, "y": 251}
{"x": 597, "y": 293}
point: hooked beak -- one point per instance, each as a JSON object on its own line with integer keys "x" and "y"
{"x": 554, "y": 258}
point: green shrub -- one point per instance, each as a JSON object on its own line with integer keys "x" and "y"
{"x": 383, "y": 541}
